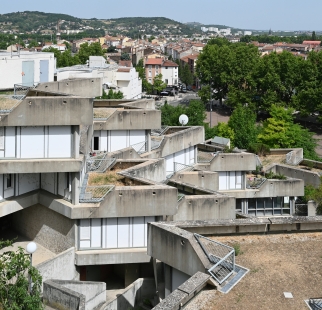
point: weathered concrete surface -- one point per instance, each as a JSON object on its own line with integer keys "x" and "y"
{"x": 126, "y": 103}
{"x": 50, "y": 111}
{"x": 45, "y": 165}
{"x": 137, "y": 291}
{"x": 205, "y": 207}
{"x": 140, "y": 200}
{"x": 45, "y": 227}
{"x": 271, "y": 188}
{"x": 61, "y": 267}
{"x": 185, "y": 292}
{"x": 74, "y": 294}
{"x": 78, "y": 87}
{"x": 152, "y": 169}
{"x": 131, "y": 119}
{"x": 177, "y": 248}
{"x": 127, "y": 153}
{"x": 205, "y": 179}
{"x": 309, "y": 177}
{"x": 233, "y": 162}
{"x": 113, "y": 256}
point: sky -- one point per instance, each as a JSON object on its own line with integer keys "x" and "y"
{"x": 245, "y": 14}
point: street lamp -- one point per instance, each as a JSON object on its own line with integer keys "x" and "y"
{"x": 31, "y": 248}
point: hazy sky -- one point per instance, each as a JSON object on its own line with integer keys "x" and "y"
{"x": 246, "y": 14}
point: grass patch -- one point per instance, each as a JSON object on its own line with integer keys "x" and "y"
{"x": 237, "y": 249}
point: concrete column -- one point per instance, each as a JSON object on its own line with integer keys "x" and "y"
{"x": 76, "y": 141}
{"x": 167, "y": 280}
{"x": 148, "y": 139}
{"x": 311, "y": 208}
{"x": 75, "y": 187}
{"x": 155, "y": 271}
{"x": 132, "y": 273}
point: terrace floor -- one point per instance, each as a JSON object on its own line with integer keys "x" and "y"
{"x": 278, "y": 263}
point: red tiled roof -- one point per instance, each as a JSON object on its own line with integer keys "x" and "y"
{"x": 312, "y": 42}
{"x": 169, "y": 63}
{"x": 154, "y": 61}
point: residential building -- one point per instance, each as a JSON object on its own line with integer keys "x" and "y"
{"x": 168, "y": 69}
{"x": 25, "y": 68}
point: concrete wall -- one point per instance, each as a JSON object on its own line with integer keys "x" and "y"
{"x": 46, "y": 227}
{"x": 205, "y": 207}
{"x": 181, "y": 140}
{"x": 74, "y": 295}
{"x": 61, "y": 267}
{"x": 177, "y": 248}
{"x": 307, "y": 176}
{"x": 272, "y": 188}
{"x": 204, "y": 179}
{"x": 132, "y": 201}
{"x": 133, "y": 294}
{"x": 233, "y": 162}
{"x": 50, "y": 111}
{"x": 91, "y": 87}
{"x": 131, "y": 120}
{"x": 153, "y": 170}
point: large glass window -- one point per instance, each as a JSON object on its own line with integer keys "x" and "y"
{"x": 267, "y": 206}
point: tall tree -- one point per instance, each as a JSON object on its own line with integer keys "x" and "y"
{"x": 313, "y": 38}
{"x": 158, "y": 84}
{"x": 243, "y": 123}
{"x": 186, "y": 76}
{"x": 86, "y": 50}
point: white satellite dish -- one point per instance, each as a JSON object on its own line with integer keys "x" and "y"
{"x": 183, "y": 119}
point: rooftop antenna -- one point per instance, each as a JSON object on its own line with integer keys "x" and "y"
{"x": 183, "y": 119}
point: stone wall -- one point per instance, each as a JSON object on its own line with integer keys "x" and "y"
{"x": 46, "y": 227}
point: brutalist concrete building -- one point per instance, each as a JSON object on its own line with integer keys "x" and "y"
{"x": 84, "y": 177}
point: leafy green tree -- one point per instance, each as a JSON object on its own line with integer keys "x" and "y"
{"x": 111, "y": 95}
{"x": 86, "y": 50}
{"x": 158, "y": 84}
{"x": 33, "y": 43}
{"x": 151, "y": 38}
{"x": 186, "y": 75}
{"x": 125, "y": 56}
{"x": 313, "y": 38}
{"x": 111, "y": 49}
{"x": 279, "y": 131}
{"x": 14, "y": 285}
{"x": 243, "y": 123}
{"x": 223, "y": 130}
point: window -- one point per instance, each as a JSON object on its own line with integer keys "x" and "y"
{"x": 150, "y": 73}
{"x": 9, "y": 180}
{"x": 156, "y": 67}
{"x": 150, "y": 67}
{"x": 166, "y": 81}
{"x": 267, "y": 206}
{"x": 96, "y": 143}
{"x": 166, "y": 67}
{"x": 150, "y": 80}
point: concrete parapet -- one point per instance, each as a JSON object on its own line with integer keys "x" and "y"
{"x": 233, "y": 162}
{"x": 89, "y": 87}
{"x": 184, "y": 293}
{"x": 132, "y": 295}
{"x": 74, "y": 295}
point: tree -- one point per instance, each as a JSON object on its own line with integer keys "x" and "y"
{"x": 14, "y": 285}
{"x": 158, "y": 83}
{"x": 223, "y": 130}
{"x": 279, "y": 131}
{"x": 151, "y": 38}
{"x": 86, "y": 50}
{"x": 243, "y": 123}
{"x": 313, "y": 38}
{"x": 111, "y": 95}
{"x": 33, "y": 43}
{"x": 186, "y": 75}
{"x": 111, "y": 49}
{"x": 125, "y": 56}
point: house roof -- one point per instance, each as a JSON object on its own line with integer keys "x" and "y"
{"x": 312, "y": 42}
{"x": 169, "y": 63}
{"x": 125, "y": 63}
{"x": 154, "y": 61}
{"x": 123, "y": 69}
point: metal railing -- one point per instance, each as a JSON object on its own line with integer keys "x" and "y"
{"x": 94, "y": 194}
{"x": 221, "y": 255}
{"x": 155, "y": 144}
{"x": 258, "y": 162}
{"x": 293, "y": 159}
{"x": 99, "y": 163}
{"x": 206, "y": 157}
{"x": 180, "y": 196}
{"x": 315, "y": 303}
{"x": 255, "y": 182}
{"x": 180, "y": 167}
{"x": 159, "y": 132}
{"x": 21, "y": 90}
{"x": 301, "y": 209}
{"x": 140, "y": 148}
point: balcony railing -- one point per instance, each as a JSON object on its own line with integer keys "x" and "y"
{"x": 94, "y": 194}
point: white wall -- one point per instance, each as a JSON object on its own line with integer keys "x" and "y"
{"x": 114, "y": 140}
{"x": 185, "y": 157}
{"x": 111, "y": 233}
{"x": 230, "y": 180}
{"x": 36, "y": 142}
{"x": 11, "y": 67}
{"x": 170, "y": 74}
